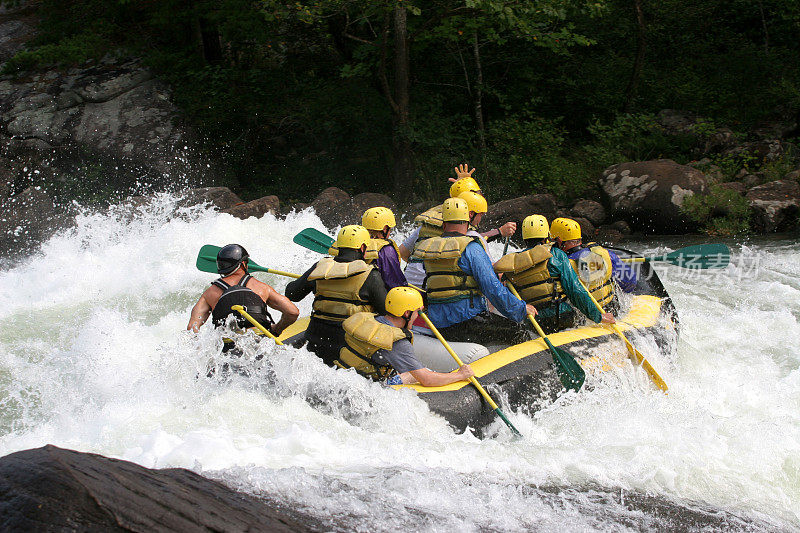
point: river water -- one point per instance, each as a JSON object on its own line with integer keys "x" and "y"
{"x": 94, "y": 357}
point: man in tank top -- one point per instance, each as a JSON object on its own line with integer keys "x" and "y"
{"x": 237, "y": 287}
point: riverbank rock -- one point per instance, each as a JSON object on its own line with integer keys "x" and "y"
{"x": 649, "y": 194}
{"x": 220, "y": 197}
{"x": 590, "y": 210}
{"x": 26, "y": 219}
{"x": 256, "y": 208}
{"x": 775, "y": 205}
{"x": 735, "y": 186}
{"x": 516, "y": 209}
{"x": 335, "y": 207}
{"x": 53, "y": 489}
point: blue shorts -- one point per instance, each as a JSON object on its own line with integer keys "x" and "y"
{"x": 394, "y": 380}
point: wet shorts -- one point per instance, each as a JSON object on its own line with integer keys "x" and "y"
{"x": 394, "y": 380}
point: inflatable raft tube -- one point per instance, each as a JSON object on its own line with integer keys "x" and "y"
{"x": 523, "y": 375}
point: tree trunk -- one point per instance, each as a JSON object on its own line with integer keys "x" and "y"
{"x": 403, "y": 168}
{"x": 633, "y": 83}
{"x": 478, "y": 102}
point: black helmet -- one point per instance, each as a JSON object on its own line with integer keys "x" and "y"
{"x": 230, "y": 257}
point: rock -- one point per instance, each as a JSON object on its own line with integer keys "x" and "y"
{"x": 285, "y": 210}
{"x": 721, "y": 139}
{"x": 677, "y": 122}
{"x": 365, "y": 200}
{"x": 334, "y": 207}
{"x": 608, "y": 235}
{"x": 793, "y": 175}
{"x": 53, "y": 489}
{"x": 649, "y": 194}
{"x": 255, "y": 208}
{"x": 714, "y": 174}
{"x": 764, "y": 151}
{"x": 26, "y": 219}
{"x": 591, "y": 210}
{"x": 620, "y": 226}
{"x": 775, "y": 205}
{"x": 735, "y": 186}
{"x": 220, "y": 197}
{"x": 516, "y": 209}
{"x": 587, "y": 228}
{"x": 751, "y": 180}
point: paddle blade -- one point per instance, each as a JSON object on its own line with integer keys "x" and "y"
{"x": 314, "y": 240}
{"x": 569, "y": 371}
{"x": 700, "y": 256}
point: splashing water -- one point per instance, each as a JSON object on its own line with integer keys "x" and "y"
{"x": 94, "y": 356}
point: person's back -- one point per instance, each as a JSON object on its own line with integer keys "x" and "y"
{"x": 237, "y": 287}
{"x": 343, "y": 286}
{"x": 382, "y": 251}
{"x": 380, "y": 347}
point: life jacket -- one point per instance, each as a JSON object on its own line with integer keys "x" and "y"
{"x": 444, "y": 280}
{"x": 430, "y": 223}
{"x": 338, "y": 284}
{"x": 363, "y": 336}
{"x": 239, "y": 294}
{"x": 529, "y": 274}
{"x": 373, "y": 248}
{"x": 598, "y": 269}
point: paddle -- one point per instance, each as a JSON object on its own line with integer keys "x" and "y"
{"x": 570, "y": 372}
{"x": 699, "y": 256}
{"x": 634, "y": 354}
{"x": 472, "y": 379}
{"x": 207, "y": 262}
{"x": 239, "y": 309}
{"x": 314, "y": 240}
{"x": 505, "y": 246}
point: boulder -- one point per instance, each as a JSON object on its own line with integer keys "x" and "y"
{"x": 53, "y": 489}
{"x": 516, "y": 209}
{"x": 793, "y": 175}
{"x": 775, "y": 205}
{"x": 620, "y": 226}
{"x": 365, "y": 200}
{"x": 751, "y": 180}
{"x": 334, "y": 207}
{"x": 608, "y": 235}
{"x": 588, "y": 230}
{"x": 764, "y": 151}
{"x": 220, "y": 197}
{"x": 26, "y": 219}
{"x": 676, "y": 122}
{"x": 255, "y": 208}
{"x": 736, "y": 186}
{"x": 591, "y": 210}
{"x": 649, "y": 194}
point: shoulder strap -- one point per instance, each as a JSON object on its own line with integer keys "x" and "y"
{"x": 221, "y": 284}
{"x": 244, "y": 280}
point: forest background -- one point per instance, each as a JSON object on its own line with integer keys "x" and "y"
{"x": 387, "y": 96}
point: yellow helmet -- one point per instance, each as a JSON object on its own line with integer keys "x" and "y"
{"x": 475, "y": 202}
{"x": 352, "y": 237}
{"x": 376, "y": 218}
{"x": 565, "y": 229}
{"x": 535, "y": 227}
{"x": 455, "y": 210}
{"x": 402, "y": 299}
{"x": 463, "y": 185}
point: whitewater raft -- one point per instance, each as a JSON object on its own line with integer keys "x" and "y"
{"x": 523, "y": 375}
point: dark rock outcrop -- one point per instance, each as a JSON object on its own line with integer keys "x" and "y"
{"x": 590, "y": 210}
{"x": 220, "y": 197}
{"x": 366, "y": 200}
{"x": 649, "y": 194}
{"x": 26, "y": 219}
{"x": 587, "y": 228}
{"x": 516, "y": 209}
{"x": 735, "y": 186}
{"x": 775, "y": 205}
{"x": 53, "y": 489}
{"x": 256, "y": 208}
{"x": 335, "y": 207}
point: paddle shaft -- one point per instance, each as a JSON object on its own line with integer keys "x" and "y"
{"x": 505, "y": 246}
{"x": 635, "y": 354}
{"x": 239, "y": 309}
{"x": 472, "y": 379}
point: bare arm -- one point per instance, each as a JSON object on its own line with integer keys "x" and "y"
{"x": 200, "y": 313}
{"x": 429, "y": 378}
{"x": 289, "y": 311}
{"x": 405, "y": 253}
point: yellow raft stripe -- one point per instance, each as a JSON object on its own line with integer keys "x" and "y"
{"x": 643, "y": 314}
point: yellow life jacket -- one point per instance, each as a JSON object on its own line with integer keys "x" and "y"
{"x": 363, "y": 336}
{"x": 529, "y": 274}
{"x": 444, "y": 280}
{"x": 371, "y": 254}
{"x": 430, "y": 223}
{"x": 338, "y": 284}
{"x": 598, "y": 269}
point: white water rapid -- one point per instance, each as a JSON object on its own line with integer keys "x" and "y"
{"x": 94, "y": 356}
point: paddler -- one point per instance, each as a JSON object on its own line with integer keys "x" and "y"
{"x": 380, "y": 347}
{"x": 459, "y": 274}
{"x": 236, "y": 287}
{"x": 544, "y": 278}
{"x": 343, "y": 286}
{"x": 429, "y": 224}
{"x": 382, "y": 251}
{"x": 602, "y": 266}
